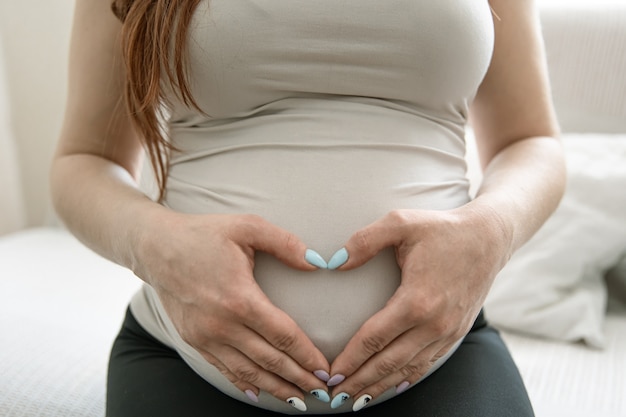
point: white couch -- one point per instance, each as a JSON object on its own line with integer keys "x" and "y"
{"x": 61, "y": 305}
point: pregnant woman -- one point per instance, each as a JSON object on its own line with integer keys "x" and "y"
{"x": 314, "y": 247}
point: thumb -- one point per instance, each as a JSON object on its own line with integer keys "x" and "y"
{"x": 261, "y": 235}
{"x": 368, "y": 242}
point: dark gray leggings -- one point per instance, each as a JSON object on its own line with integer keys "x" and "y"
{"x": 146, "y": 378}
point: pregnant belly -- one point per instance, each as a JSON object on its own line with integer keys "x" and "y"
{"x": 323, "y": 195}
{"x": 330, "y": 306}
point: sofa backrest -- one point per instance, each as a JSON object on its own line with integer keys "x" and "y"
{"x": 11, "y": 204}
{"x": 586, "y": 52}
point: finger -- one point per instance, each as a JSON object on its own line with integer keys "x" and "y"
{"x": 417, "y": 369}
{"x": 282, "y": 332}
{"x": 248, "y": 389}
{"x": 369, "y": 241}
{"x": 247, "y": 373}
{"x": 277, "y": 362}
{"x": 373, "y": 336}
{"x": 259, "y": 234}
{"x": 422, "y": 366}
{"x": 395, "y": 357}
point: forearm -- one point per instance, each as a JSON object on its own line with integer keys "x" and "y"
{"x": 521, "y": 187}
{"x": 100, "y": 203}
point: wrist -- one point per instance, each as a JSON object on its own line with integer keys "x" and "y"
{"x": 486, "y": 221}
{"x": 145, "y": 236}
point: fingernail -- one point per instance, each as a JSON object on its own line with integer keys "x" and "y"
{"x": 321, "y": 395}
{"x": 339, "y": 400}
{"x": 402, "y": 387}
{"x": 315, "y": 259}
{"x": 335, "y": 380}
{"x": 339, "y": 258}
{"x": 322, "y": 375}
{"x": 297, "y": 403}
{"x": 252, "y": 395}
{"x": 361, "y": 402}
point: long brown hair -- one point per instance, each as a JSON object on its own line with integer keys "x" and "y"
{"x": 150, "y": 28}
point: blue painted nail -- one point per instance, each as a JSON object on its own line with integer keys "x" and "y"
{"x": 339, "y": 400}
{"x": 339, "y": 258}
{"x": 321, "y": 395}
{"x": 315, "y": 259}
{"x": 361, "y": 402}
{"x": 335, "y": 380}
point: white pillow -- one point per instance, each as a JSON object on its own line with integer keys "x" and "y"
{"x": 554, "y": 286}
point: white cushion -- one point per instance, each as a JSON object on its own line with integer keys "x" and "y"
{"x": 554, "y": 286}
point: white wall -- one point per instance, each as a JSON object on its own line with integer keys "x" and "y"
{"x": 35, "y": 36}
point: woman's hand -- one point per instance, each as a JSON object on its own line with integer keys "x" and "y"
{"x": 201, "y": 267}
{"x": 448, "y": 262}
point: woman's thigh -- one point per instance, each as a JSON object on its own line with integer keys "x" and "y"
{"x": 147, "y": 378}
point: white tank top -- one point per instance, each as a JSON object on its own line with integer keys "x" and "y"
{"x": 322, "y": 116}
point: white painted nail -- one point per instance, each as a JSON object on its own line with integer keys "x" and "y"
{"x": 297, "y": 403}
{"x": 361, "y": 402}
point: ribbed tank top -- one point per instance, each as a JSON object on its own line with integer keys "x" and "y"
{"x": 322, "y": 116}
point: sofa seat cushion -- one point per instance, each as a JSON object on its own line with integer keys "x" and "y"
{"x": 61, "y": 306}
{"x": 573, "y": 379}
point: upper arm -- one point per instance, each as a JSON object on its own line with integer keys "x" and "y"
{"x": 514, "y": 100}
{"x": 96, "y": 120}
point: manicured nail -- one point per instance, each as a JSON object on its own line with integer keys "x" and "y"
{"x": 321, "y": 395}
{"x": 361, "y": 402}
{"x": 402, "y": 387}
{"x": 339, "y": 400}
{"x": 322, "y": 375}
{"x": 335, "y": 380}
{"x": 339, "y": 258}
{"x": 297, "y": 403}
{"x": 252, "y": 396}
{"x": 315, "y": 259}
